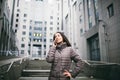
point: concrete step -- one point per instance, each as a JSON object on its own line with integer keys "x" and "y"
{"x": 33, "y": 78}
{"x": 35, "y": 73}
{"x": 38, "y": 64}
{"x": 46, "y": 78}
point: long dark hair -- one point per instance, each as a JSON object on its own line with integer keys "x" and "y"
{"x": 64, "y": 38}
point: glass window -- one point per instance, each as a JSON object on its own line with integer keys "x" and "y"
{"x": 22, "y": 51}
{"x": 57, "y": 28}
{"x": 22, "y": 45}
{"x": 81, "y": 31}
{"x": 15, "y": 30}
{"x": 30, "y": 33}
{"x": 94, "y": 48}
{"x": 16, "y": 20}
{"x": 51, "y": 23}
{"x": 80, "y": 19}
{"x": 57, "y": 23}
{"x": 18, "y": 10}
{"x": 23, "y": 33}
{"x": 57, "y": 18}
{"x": 30, "y": 27}
{"x": 90, "y": 17}
{"x": 51, "y": 17}
{"x": 17, "y": 3}
{"x": 24, "y": 20}
{"x": 51, "y": 40}
{"x": 110, "y": 10}
{"x": 23, "y": 38}
{"x": 45, "y": 28}
{"x": 17, "y": 15}
{"x": 96, "y": 10}
{"x": 25, "y": 15}
{"x": 80, "y": 6}
{"x": 16, "y": 25}
{"x": 24, "y": 26}
{"x": 51, "y": 28}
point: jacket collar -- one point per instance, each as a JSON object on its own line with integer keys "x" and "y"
{"x": 61, "y": 46}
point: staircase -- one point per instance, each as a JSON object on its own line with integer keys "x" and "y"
{"x": 39, "y": 70}
{"x": 36, "y": 70}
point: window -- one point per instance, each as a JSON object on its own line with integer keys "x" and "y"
{"x": 51, "y": 17}
{"x": 57, "y": 23}
{"x": 51, "y": 23}
{"x": 16, "y": 25}
{"x": 30, "y": 33}
{"x": 18, "y": 10}
{"x": 44, "y": 53}
{"x": 57, "y": 18}
{"x": 44, "y": 40}
{"x": 94, "y": 48}
{"x": 50, "y": 45}
{"x": 90, "y": 16}
{"x": 23, "y": 38}
{"x": 23, "y": 33}
{"x": 110, "y": 10}
{"x": 25, "y": 15}
{"x": 38, "y": 28}
{"x": 80, "y": 6}
{"x": 45, "y": 46}
{"x": 51, "y": 34}
{"x": 51, "y": 28}
{"x": 57, "y": 28}
{"x": 15, "y": 30}
{"x": 80, "y": 19}
{"x": 45, "y": 22}
{"x": 24, "y": 20}
{"x": 17, "y": 3}
{"x": 22, "y": 45}
{"x": 17, "y": 15}
{"x": 81, "y": 31}
{"x": 22, "y": 51}
{"x": 51, "y": 40}
{"x": 24, "y": 26}
{"x": 37, "y": 35}
{"x": 30, "y": 27}
{"x": 16, "y": 20}
{"x": 96, "y": 9}
{"x": 45, "y": 28}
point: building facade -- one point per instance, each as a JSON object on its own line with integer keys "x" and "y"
{"x": 7, "y": 35}
{"x": 93, "y": 27}
{"x": 35, "y": 22}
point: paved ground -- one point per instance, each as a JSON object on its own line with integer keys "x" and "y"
{"x": 46, "y": 78}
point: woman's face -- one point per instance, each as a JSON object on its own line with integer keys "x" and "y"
{"x": 58, "y": 38}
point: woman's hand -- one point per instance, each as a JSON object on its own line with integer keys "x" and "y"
{"x": 67, "y": 74}
{"x": 55, "y": 42}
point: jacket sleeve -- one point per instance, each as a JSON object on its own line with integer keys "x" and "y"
{"x": 78, "y": 63}
{"x": 50, "y": 55}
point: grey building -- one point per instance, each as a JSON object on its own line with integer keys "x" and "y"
{"x": 7, "y": 35}
{"x": 93, "y": 27}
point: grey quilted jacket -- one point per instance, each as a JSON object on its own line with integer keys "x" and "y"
{"x": 61, "y": 58}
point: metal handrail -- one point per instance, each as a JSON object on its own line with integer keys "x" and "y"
{"x": 9, "y": 67}
{"x": 88, "y": 62}
{"x": 11, "y": 64}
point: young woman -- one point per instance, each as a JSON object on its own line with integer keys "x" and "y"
{"x": 61, "y": 55}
